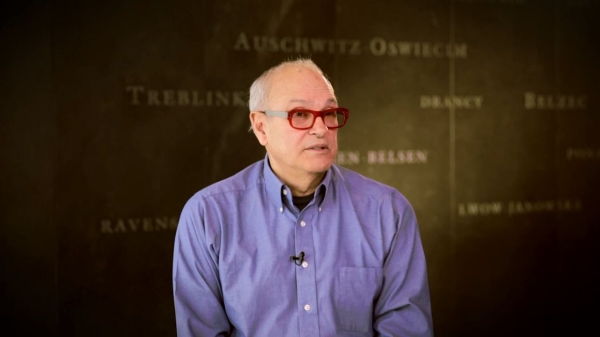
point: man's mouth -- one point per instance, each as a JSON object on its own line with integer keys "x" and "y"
{"x": 318, "y": 147}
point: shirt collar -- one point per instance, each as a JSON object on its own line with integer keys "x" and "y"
{"x": 275, "y": 188}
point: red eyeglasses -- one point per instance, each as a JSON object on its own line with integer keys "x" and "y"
{"x": 304, "y": 119}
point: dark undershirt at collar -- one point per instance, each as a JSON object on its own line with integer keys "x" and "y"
{"x": 301, "y": 202}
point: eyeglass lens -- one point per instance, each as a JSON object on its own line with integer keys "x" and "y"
{"x": 304, "y": 119}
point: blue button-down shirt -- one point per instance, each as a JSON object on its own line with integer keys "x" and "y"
{"x": 363, "y": 271}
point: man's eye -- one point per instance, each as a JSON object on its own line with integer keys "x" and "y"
{"x": 300, "y": 114}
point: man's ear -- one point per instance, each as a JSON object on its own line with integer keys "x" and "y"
{"x": 259, "y": 125}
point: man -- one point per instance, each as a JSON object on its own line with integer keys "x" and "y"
{"x": 294, "y": 245}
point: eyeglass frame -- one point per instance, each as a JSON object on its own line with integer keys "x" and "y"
{"x": 288, "y": 115}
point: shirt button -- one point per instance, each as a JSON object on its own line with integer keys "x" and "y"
{"x": 319, "y": 209}
{"x": 307, "y": 307}
{"x": 302, "y": 223}
{"x": 280, "y": 209}
{"x": 304, "y": 264}
{"x": 284, "y": 192}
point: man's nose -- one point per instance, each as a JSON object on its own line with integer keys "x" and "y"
{"x": 319, "y": 126}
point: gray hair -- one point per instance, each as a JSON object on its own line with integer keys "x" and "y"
{"x": 260, "y": 88}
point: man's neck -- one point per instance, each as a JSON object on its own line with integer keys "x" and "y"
{"x": 300, "y": 184}
{"x": 304, "y": 185}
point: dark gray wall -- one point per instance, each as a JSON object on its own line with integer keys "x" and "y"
{"x": 28, "y": 246}
{"x": 484, "y": 113}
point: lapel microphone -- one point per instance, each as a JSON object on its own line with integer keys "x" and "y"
{"x": 298, "y": 259}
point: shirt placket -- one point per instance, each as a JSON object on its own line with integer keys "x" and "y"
{"x": 306, "y": 276}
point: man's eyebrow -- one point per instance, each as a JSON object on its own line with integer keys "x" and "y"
{"x": 298, "y": 100}
{"x": 303, "y": 101}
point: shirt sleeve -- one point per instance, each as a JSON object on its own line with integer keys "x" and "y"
{"x": 199, "y": 309}
{"x": 403, "y": 307}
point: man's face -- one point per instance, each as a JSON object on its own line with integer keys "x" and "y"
{"x": 292, "y": 152}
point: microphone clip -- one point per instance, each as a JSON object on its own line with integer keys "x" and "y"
{"x": 298, "y": 259}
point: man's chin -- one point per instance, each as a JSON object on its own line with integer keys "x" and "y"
{"x": 319, "y": 167}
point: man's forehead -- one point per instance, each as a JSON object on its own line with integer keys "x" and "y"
{"x": 304, "y": 86}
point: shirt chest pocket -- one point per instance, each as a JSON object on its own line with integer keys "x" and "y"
{"x": 355, "y": 294}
